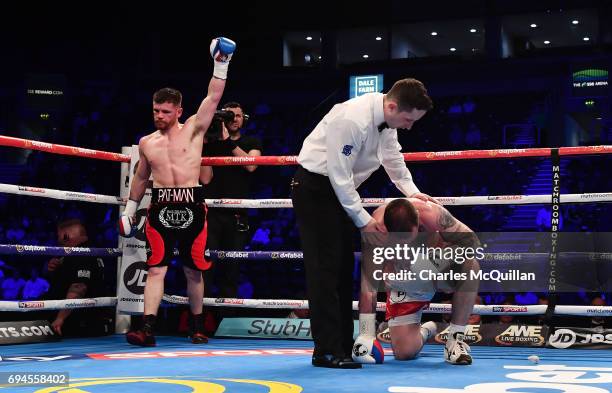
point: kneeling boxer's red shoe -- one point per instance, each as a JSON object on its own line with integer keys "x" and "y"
{"x": 141, "y": 338}
{"x": 199, "y": 338}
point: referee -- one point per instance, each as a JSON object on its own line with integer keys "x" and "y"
{"x": 344, "y": 149}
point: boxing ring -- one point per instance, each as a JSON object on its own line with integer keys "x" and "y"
{"x": 107, "y": 364}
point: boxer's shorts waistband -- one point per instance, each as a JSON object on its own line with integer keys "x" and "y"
{"x": 177, "y": 195}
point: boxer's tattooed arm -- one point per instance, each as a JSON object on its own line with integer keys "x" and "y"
{"x": 461, "y": 239}
{"x": 446, "y": 220}
{"x": 454, "y": 232}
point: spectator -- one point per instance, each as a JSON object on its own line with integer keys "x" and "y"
{"x": 261, "y": 238}
{"x": 473, "y": 137}
{"x": 2, "y": 267}
{"x": 35, "y": 287}
{"x": 15, "y": 233}
{"x": 543, "y": 219}
{"x": 469, "y": 106}
{"x": 526, "y": 298}
{"x": 12, "y": 286}
{"x": 76, "y": 277}
{"x": 456, "y": 135}
{"x": 245, "y": 288}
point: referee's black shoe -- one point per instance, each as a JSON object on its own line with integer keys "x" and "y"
{"x": 331, "y": 361}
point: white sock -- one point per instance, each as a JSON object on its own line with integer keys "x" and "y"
{"x": 452, "y": 329}
{"x": 424, "y": 334}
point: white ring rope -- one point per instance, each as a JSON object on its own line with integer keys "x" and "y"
{"x": 60, "y": 194}
{"x": 434, "y": 308}
{"x": 447, "y": 201}
{"x": 590, "y": 311}
{"x": 286, "y": 203}
{"x": 67, "y": 304}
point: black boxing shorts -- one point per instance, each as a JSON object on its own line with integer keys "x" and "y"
{"x": 177, "y": 217}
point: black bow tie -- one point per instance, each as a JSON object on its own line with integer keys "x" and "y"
{"x": 382, "y": 126}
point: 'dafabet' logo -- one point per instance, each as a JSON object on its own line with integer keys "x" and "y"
{"x": 196, "y": 384}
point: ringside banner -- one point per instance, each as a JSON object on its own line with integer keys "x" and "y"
{"x": 281, "y": 328}
{"x": 133, "y": 268}
{"x": 23, "y": 332}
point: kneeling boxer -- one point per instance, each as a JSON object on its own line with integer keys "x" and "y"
{"x": 407, "y": 299}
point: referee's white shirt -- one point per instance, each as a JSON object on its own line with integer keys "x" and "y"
{"x": 347, "y": 147}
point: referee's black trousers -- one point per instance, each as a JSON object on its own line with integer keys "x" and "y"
{"x": 326, "y": 233}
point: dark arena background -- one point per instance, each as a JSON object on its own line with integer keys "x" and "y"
{"x": 517, "y": 145}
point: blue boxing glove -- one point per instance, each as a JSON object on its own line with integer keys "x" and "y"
{"x": 127, "y": 225}
{"x": 221, "y": 50}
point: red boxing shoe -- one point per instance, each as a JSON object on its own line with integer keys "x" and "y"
{"x": 199, "y": 338}
{"x": 140, "y": 338}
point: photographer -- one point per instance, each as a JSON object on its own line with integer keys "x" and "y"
{"x": 228, "y": 229}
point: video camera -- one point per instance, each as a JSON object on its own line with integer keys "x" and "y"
{"x": 215, "y": 130}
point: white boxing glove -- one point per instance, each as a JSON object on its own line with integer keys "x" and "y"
{"x": 221, "y": 50}
{"x": 127, "y": 225}
{"x": 367, "y": 348}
